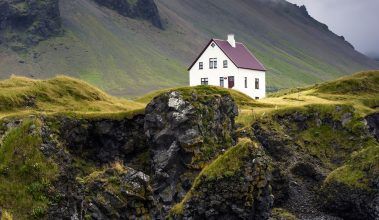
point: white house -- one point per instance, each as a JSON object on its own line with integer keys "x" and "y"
{"x": 229, "y": 64}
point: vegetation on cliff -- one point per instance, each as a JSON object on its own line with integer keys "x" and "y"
{"x": 317, "y": 146}
{"x": 26, "y": 175}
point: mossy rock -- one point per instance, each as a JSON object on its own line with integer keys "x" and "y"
{"x": 235, "y": 184}
{"x": 26, "y": 175}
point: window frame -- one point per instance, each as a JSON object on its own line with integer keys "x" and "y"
{"x": 256, "y": 83}
{"x": 204, "y": 81}
{"x": 212, "y": 63}
{"x": 201, "y": 65}
{"x": 225, "y": 63}
{"x": 222, "y": 82}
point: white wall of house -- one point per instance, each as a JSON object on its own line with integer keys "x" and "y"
{"x": 213, "y": 75}
{"x": 252, "y": 75}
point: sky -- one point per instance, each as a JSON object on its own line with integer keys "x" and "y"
{"x": 356, "y": 20}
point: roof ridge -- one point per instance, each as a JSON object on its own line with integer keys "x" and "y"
{"x": 226, "y": 40}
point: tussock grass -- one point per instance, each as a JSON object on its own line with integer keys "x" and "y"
{"x": 240, "y": 98}
{"x": 356, "y": 84}
{"x": 20, "y": 95}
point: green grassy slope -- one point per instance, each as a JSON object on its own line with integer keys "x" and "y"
{"x": 129, "y": 57}
{"x": 24, "y": 96}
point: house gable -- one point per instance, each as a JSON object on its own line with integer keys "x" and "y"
{"x": 209, "y": 47}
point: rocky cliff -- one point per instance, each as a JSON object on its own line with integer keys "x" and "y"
{"x": 185, "y": 157}
{"x": 144, "y": 9}
{"x": 24, "y": 23}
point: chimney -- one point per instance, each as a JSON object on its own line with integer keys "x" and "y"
{"x": 231, "y": 40}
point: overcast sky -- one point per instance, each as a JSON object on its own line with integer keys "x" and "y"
{"x": 356, "y": 20}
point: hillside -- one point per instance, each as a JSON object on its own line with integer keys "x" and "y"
{"x": 127, "y": 56}
{"x": 309, "y": 153}
{"x": 23, "y": 96}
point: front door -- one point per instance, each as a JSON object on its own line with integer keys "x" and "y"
{"x": 230, "y": 82}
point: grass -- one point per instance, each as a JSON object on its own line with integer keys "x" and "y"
{"x": 357, "y": 84}
{"x": 24, "y": 96}
{"x": 360, "y": 92}
{"x": 6, "y": 215}
{"x": 282, "y": 214}
{"x": 228, "y": 163}
{"x": 242, "y": 100}
{"x": 25, "y": 173}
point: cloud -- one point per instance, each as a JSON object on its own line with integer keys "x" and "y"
{"x": 357, "y": 21}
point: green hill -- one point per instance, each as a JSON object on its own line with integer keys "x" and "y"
{"x": 130, "y": 57}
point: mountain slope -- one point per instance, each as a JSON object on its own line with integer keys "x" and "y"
{"x": 129, "y": 57}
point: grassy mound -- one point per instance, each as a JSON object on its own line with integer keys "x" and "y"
{"x": 359, "y": 91}
{"x": 60, "y": 94}
{"x": 240, "y": 98}
{"x": 359, "y": 83}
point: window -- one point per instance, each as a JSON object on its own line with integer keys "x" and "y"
{"x": 213, "y": 63}
{"x": 204, "y": 81}
{"x": 225, "y": 64}
{"x": 201, "y": 65}
{"x": 222, "y": 81}
{"x": 256, "y": 98}
{"x": 245, "y": 82}
{"x": 256, "y": 83}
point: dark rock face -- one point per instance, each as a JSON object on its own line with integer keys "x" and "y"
{"x": 145, "y": 9}
{"x": 24, "y": 23}
{"x": 350, "y": 203}
{"x": 244, "y": 195}
{"x": 307, "y": 170}
{"x": 373, "y": 125}
{"x": 297, "y": 176}
{"x": 274, "y": 143}
{"x": 104, "y": 140}
{"x": 127, "y": 195}
{"x": 184, "y": 135}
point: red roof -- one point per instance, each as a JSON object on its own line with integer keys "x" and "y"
{"x": 239, "y": 55}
